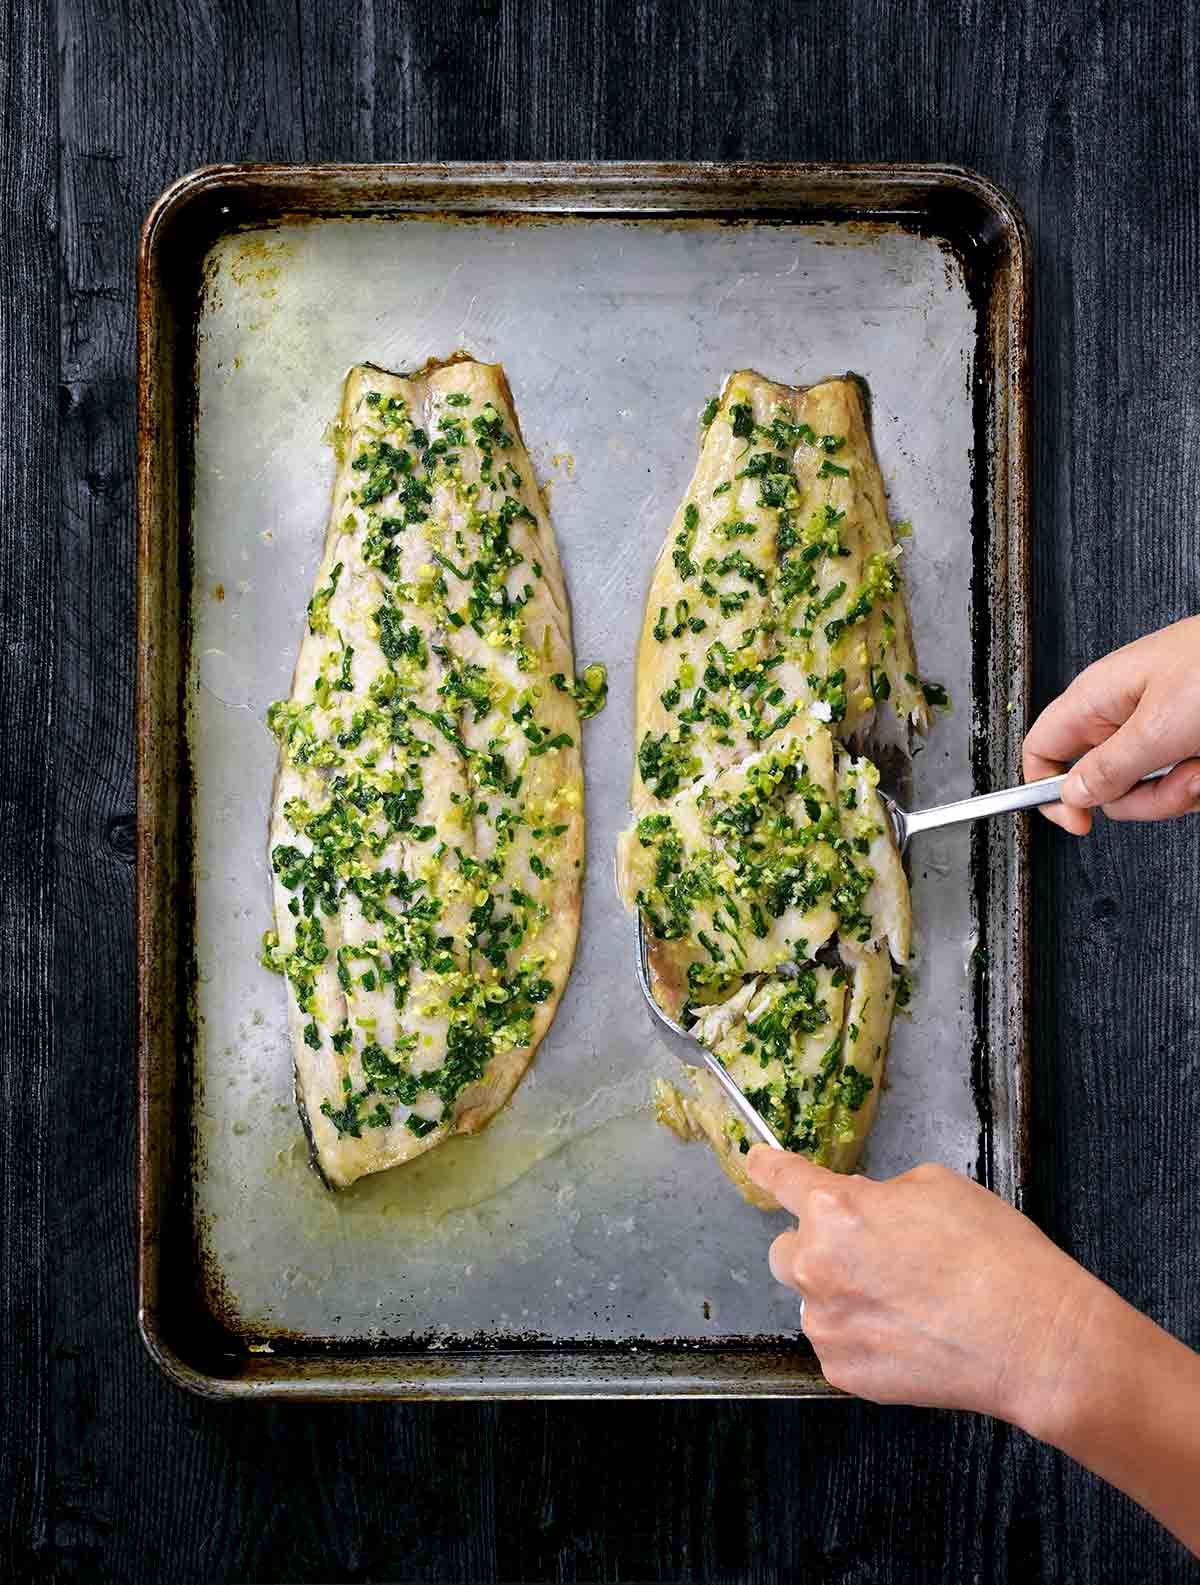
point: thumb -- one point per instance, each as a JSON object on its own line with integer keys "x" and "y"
{"x": 1108, "y": 771}
{"x": 790, "y": 1178}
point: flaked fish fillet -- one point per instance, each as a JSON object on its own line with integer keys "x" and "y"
{"x": 776, "y": 632}
{"x": 427, "y": 826}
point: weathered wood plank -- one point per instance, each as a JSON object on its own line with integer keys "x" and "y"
{"x": 147, "y": 92}
{"x": 28, "y": 677}
{"x": 1116, "y": 1010}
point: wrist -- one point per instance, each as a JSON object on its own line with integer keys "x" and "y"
{"x": 1072, "y": 1351}
{"x": 1123, "y": 1401}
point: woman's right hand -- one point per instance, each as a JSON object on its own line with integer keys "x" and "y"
{"x": 928, "y": 1289}
{"x": 1131, "y": 713}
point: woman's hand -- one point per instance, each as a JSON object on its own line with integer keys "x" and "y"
{"x": 1135, "y": 711}
{"x": 926, "y": 1288}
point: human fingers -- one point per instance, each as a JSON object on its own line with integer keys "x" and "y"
{"x": 790, "y": 1178}
{"x": 1037, "y": 765}
{"x": 785, "y": 1258}
{"x": 1150, "y": 739}
{"x": 1087, "y": 712}
{"x": 1036, "y": 768}
{"x": 1126, "y": 715}
{"x": 1077, "y": 821}
{"x": 1177, "y": 793}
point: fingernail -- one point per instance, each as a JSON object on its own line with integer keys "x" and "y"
{"x": 758, "y": 1161}
{"x": 778, "y": 1265}
{"x": 1076, "y": 790}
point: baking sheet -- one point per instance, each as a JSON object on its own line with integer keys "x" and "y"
{"x": 574, "y": 1216}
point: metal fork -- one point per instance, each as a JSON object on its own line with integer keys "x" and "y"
{"x": 689, "y": 1050}
{"x": 906, "y": 823}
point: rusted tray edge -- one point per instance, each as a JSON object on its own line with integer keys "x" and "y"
{"x": 1001, "y": 502}
{"x": 480, "y": 1376}
{"x": 551, "y": 186}
{"x": 1009, "y": 510}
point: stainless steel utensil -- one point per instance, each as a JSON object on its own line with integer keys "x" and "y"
{"x": 906, "y": 823}
{"x": 688, "y": 1049}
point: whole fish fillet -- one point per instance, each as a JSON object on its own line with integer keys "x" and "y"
{"x": 760, "y": 857}
{"x": 427, "y": 828}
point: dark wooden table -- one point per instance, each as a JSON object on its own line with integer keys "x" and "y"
{"x": 1090, "y": 115}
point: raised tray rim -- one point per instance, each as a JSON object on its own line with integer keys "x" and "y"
{"x": 183, "y": 222}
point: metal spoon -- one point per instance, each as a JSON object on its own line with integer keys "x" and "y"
{"x": 906, "y": 823}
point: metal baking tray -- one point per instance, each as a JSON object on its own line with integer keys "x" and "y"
{"x": 575, "y": 1249}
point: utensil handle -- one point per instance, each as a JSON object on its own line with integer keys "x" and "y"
{"x": 752, "y": 1120}
{"x": 1030, "y": 795}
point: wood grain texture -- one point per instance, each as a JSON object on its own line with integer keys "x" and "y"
{"x": 1089, "y": 113}
{"x": 29, "y": 600}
